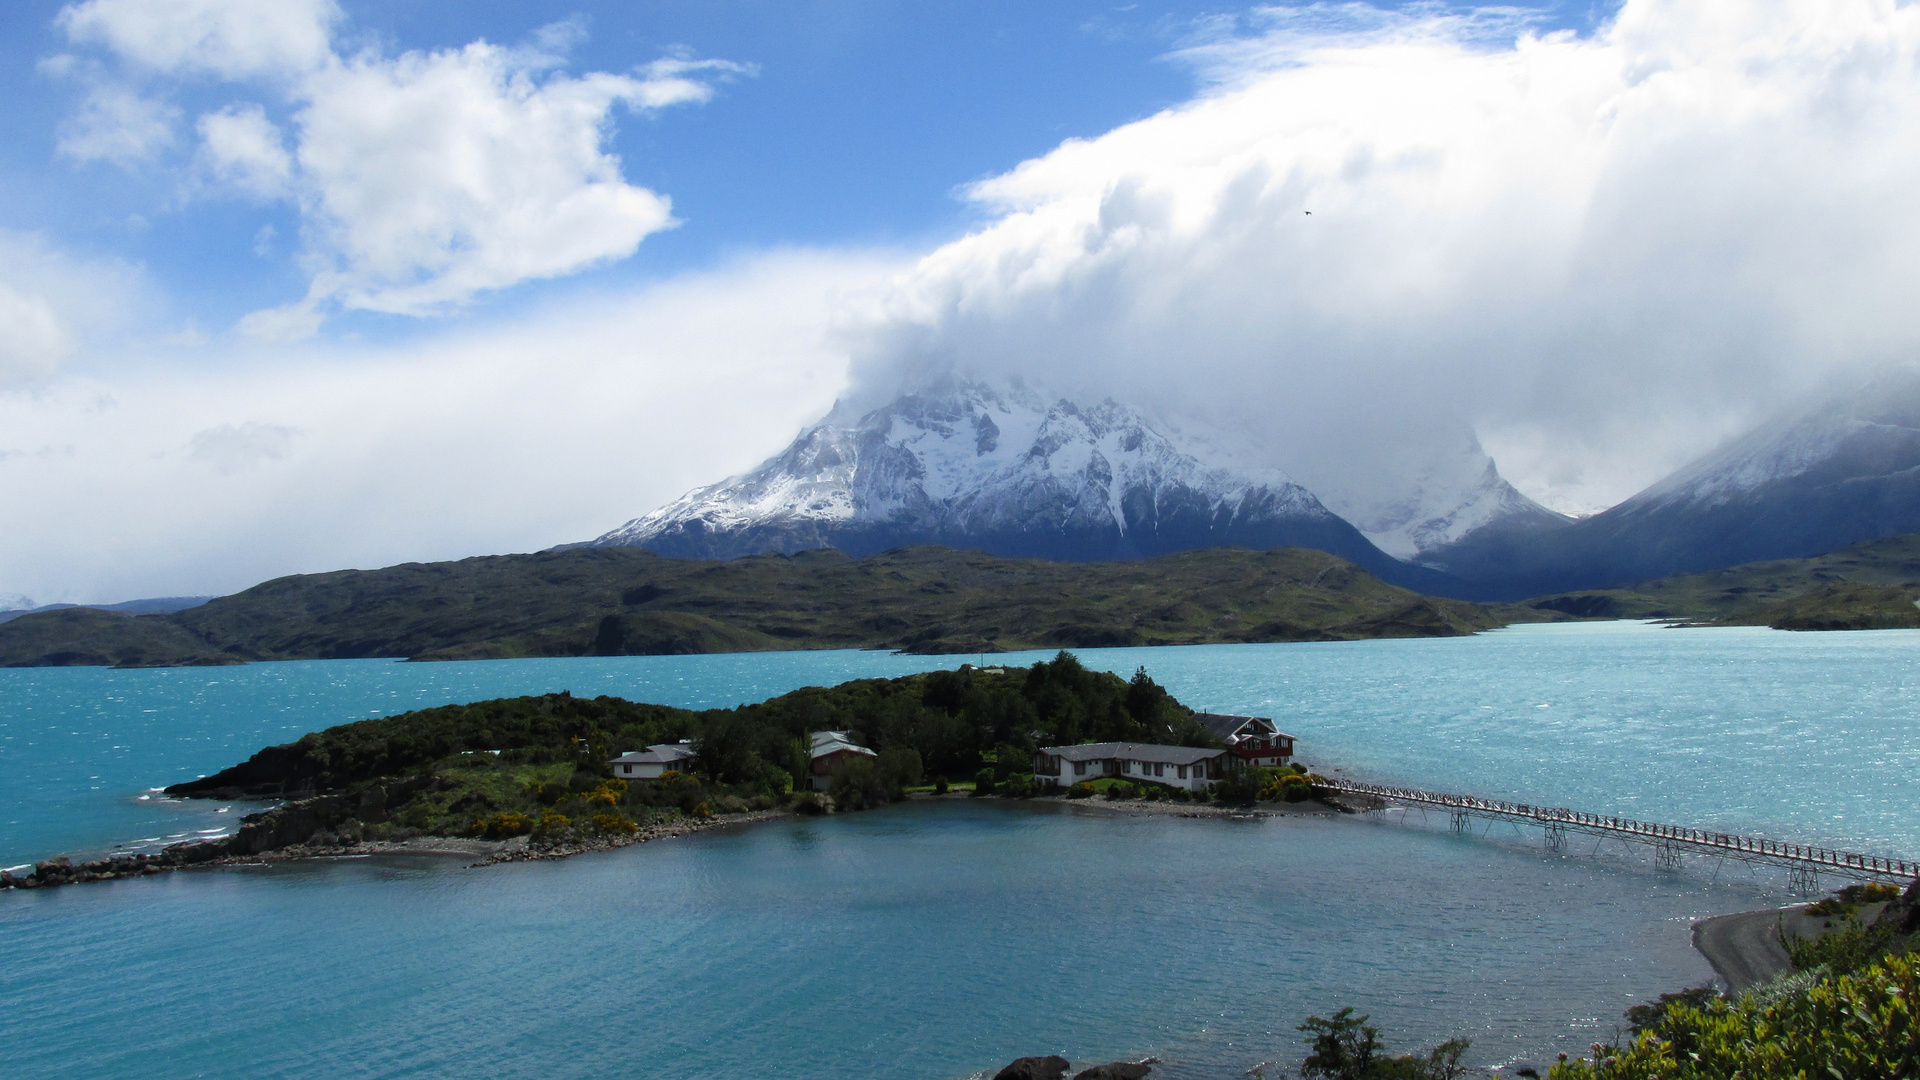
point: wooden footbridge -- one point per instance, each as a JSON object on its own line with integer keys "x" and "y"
{"x": 1804, "y": 862}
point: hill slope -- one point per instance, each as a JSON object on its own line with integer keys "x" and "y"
{"x": 1838, "y": 474}
{"x": 624, "y": 601}
{"x": 1869, "y": 586}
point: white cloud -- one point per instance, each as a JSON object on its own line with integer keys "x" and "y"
{"x": 435, "y": 176}
{"x": 422, "y": 179}
{"x": 473, "y": 441}
{"x": 230, "y": 448}
{"x": 1635, "y": 242}
{"x": 32, "y": 341}
{"x": 243, "y": 148}
{"x": 116, "y": 125}
{"x": 52, "y": 304}
{"x": 234, "y": 39}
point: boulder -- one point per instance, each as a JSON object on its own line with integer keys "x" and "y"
{"x": 1051, "y": 1067}
{"x": 1115, "y": 1070}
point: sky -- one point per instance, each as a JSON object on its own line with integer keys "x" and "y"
{"x": 294, "y": 285}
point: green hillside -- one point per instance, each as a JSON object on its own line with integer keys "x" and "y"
{"x": 1869, "y": 586}
{"x": 623, "y": 601}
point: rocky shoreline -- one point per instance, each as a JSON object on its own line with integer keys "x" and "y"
{"x": 255, "y": 844}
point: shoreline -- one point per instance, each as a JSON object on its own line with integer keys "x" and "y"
{"x": 52, "y": 873}
{"x": 193, "y": 855}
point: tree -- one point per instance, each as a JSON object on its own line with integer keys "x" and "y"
{"x": 1343, "y": 1047}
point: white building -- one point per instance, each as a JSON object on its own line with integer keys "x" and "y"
{"x": 830, "y": 748}
{"x": 648, "y": 764}
{"x": 1189, "y": 767}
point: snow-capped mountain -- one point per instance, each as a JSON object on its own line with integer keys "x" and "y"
{"x": 1417, "y": 512}
{"x": 1845, "y": 471}
{"x": 1004, "y": 469}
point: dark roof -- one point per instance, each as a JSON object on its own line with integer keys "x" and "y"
{"x": 1101, "y": 751}
{"x": 1227, "y": 725}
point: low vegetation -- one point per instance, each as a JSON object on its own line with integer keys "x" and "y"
{"x": 537, "y": 766}
{"x": 1851, "y": 1009}
{"x": 624, "y": 601}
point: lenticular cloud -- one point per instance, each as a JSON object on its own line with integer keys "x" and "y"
{"x": 1378, "y": 234}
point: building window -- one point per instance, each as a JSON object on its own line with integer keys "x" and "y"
{"x": 1159, "y": 768}
{"x": 1183, "y": 772}
{"x": 1079, "y": 768}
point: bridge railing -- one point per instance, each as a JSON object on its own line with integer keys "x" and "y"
{"x": 1746, "y": 845}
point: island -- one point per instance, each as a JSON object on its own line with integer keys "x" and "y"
{"x": 540, "y": 776}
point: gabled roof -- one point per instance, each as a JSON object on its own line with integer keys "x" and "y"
{"x": 1126, "y": 751}
{"x": 1230, "y": 727}
{"x": 657, "y": 754}
{"x": 834, "y": 742}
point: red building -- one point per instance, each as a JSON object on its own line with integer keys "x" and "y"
{"x": 1252, "y": 739}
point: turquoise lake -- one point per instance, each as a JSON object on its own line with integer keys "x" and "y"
{"x": 934, "y": 941}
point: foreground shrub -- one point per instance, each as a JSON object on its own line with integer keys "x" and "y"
{"x": 983, "y": 782}
{"x": 810, "y": 803}
{"x": 1081, "y": 790}
{"x": 1854, "y": 1026}
{"x": 1346, "y": 1047}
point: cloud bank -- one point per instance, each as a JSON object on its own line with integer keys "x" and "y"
{"x": 421, "y": 180}
{"x": 168, "y": 480}
{"x": 1377, "y": 234}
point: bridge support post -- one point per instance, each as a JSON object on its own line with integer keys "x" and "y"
{"x": 1803, "y": 881}
{"x": 1556, "y": 837}
{"x": 1462, "y": 821}
{"x": 1666, "y": 855}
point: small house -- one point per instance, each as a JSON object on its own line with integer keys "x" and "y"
{"x": 648, "y": 764}
{"x": 830, "y": 749}
{"x": 1189, "y": 767}
{"x": 1252, "y": 739}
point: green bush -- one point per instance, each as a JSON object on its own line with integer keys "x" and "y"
{"x": 939, "y": 785}
{"x": 1019, "y": 786}
{"x": 983, "y": 782}
{"x": 1081, "y": 790}
{"x": 1863, "y": 1025}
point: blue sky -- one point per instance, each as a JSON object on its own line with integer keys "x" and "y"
{"x": 294, "y": 285}
{"x": 857, "y": 125}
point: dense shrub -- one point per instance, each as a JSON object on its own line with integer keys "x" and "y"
{"x": 614, "y": 823}
{"x": 1081, "y": 790}
{"x": 983, "y": 782}
{"x": 1859, "y": 1025}
{"x": 1019, "y": 786}
{"x": 502, "y": 825}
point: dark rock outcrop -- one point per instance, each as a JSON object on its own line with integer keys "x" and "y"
{"x": 1115, "y": 1070}
{"x": 1051, "y": 1067}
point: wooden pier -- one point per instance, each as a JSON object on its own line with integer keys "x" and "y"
{"x": 1668, "y": 841}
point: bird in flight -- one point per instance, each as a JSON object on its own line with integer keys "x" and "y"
{"x": 1309, "y": 213}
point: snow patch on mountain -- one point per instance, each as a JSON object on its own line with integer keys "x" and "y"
{"x": 1431, "y": 502}
{"x": 1882, "y": 413}
{"x": 966, "y": 457}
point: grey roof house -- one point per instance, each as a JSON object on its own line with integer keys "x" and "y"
{"x": 1189, "y": 767}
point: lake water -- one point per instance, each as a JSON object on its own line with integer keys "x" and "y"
{"x": 931, "y": 941}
